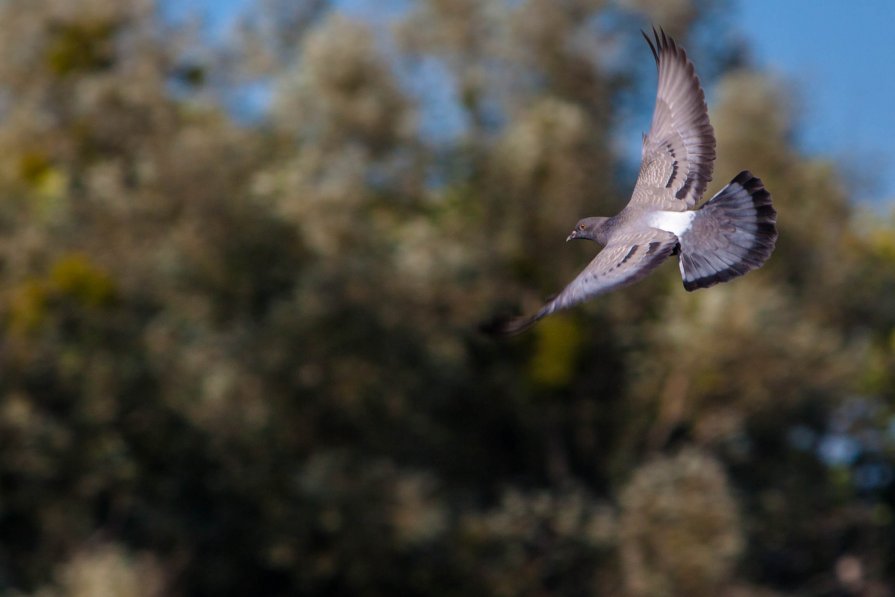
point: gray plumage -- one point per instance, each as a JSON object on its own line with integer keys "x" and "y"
{"x": 679, "y": 151}
{"x": 730, "y": 235}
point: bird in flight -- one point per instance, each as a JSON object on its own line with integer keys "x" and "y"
{"x": 731, "y": 234}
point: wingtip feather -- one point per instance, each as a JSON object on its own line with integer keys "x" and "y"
{"x": 504, "y": 326}
{"x": 651, "y": 46}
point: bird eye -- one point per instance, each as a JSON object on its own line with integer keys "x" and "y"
{"x": 580, "y": 226}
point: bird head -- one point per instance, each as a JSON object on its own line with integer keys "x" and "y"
{"x": 588, "y": 229}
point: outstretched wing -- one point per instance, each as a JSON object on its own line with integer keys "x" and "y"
{"x": 625, "y": 260}
{"x": 679, "y": 150}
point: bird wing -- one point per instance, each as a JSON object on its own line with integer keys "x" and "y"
{"x": 679, "y": 150}
{"x": 626, "y": 259}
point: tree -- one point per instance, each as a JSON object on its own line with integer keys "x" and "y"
{"x": 239, "y": 351}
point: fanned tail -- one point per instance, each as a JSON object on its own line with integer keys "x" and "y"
{"x": 732, "y": 234}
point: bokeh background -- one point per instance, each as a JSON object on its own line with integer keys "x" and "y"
{"x": 242, "y": 269}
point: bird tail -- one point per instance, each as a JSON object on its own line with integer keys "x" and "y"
{"x": 731, "y": 234}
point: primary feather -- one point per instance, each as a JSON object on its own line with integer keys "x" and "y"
{"x": 733, "y": 233}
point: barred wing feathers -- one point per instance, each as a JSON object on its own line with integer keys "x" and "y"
{"x": 625, "y": 260}
{"x": 679, "y": 150}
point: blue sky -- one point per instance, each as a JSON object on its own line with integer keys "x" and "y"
{"x": 837, "y": 56}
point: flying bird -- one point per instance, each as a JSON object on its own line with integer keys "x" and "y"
{"x": 731, "y": 234}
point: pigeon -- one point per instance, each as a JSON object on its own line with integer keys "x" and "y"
{"x": 731, "y": 234}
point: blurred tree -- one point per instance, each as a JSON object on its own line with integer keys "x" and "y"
{"x": 679, "y": 528}
{"x": 239, "y": 356}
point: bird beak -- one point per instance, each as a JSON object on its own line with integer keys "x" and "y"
{"x": 571, "y": 236}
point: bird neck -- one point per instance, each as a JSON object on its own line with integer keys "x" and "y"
{"x": 601, "y": 231}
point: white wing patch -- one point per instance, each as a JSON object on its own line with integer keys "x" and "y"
{"x": 675, "y": 222}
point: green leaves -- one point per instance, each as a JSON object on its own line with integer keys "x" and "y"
{"x": 73, "y": 282}
{"x": 239, "y": 356}
{"x": 74, "y": 47}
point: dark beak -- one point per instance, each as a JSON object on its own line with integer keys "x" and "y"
{"x": 573, "y": 235}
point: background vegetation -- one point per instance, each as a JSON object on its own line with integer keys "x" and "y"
{"x": 239, "y": 290}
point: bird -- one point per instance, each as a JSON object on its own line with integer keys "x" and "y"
{"x": 731, "y": 234}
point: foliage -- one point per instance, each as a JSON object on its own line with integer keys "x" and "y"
{"x": 239, "y": 350}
